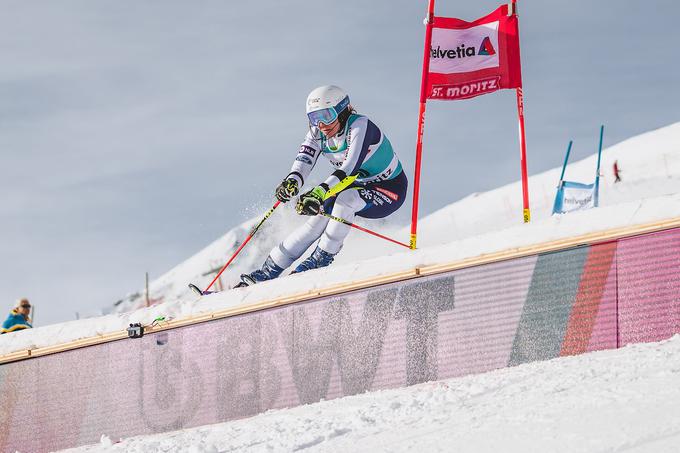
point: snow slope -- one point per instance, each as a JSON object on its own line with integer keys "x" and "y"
{"x": 623, "y": 400}
{"x": 650, "y": 168}
{"x": 479, "y": 224}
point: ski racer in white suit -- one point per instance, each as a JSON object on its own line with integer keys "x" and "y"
{"x": 368, "y": 181}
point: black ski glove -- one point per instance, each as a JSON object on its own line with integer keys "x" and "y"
{"x": 287, "y": 190}
{"x": 310, "y": 202}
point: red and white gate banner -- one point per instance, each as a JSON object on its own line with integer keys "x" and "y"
{"x": 468, "y": 59}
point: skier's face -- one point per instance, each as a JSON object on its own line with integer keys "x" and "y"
{"x": 329, "y": 130}
{"x": 25, "y": 308}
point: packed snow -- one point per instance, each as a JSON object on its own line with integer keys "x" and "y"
{"x": 478, "y": 224}
{"x": 623, "y": 400}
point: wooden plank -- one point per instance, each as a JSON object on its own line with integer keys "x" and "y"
{"x": 559, "y": 244}
{"x": 512, "y": 253}
{"x": 81, "y": 343}
{"x": 15, "y": 356}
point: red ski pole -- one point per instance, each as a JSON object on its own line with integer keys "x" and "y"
{"x": 250, "y": 236}
{"x": 365, "y": 230}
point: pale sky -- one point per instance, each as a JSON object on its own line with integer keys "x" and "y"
{"x": 134, "y": 133}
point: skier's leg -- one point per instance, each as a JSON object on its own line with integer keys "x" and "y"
{"x": 373, "y": 201}
{"x": 293, "y": 246}
{"x": 290, "y": 249}
{"x": 383, "y": 198}
{"x": 346, "y": 204}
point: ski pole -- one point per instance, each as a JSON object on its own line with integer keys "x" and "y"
{"x": 365, "y": 230}
{"x": 250, "y": 236}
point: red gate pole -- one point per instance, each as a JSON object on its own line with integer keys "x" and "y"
{"x": 421, "y": 121}
{"x": 522, "y": 143}
{"x": 523, "y": 157}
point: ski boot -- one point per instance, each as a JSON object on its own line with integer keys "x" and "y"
{"x": 318, "y": 258}
{"x": 269, "y": 271}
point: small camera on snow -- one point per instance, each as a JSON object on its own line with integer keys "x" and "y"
{"x": 135, "y": 330}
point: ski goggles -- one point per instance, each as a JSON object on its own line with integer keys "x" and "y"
{"x": 327, "y": 116}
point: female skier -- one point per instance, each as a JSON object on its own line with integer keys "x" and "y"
{"x": 368, "y": 181}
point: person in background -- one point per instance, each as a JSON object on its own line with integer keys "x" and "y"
{"x": 617, "y": 172}
{"x": 18, "y": 318}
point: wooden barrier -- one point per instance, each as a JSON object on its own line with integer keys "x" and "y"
{"x": 518, "y": 252}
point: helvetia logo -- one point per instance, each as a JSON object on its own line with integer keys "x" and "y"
{"x": 485, "y": 48}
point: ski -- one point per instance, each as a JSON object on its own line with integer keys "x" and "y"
{"x": 198, "y": 292}
{"x": 196, "y": 289}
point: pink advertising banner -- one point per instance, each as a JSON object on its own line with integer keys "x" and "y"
{"x": 466, "y": 321}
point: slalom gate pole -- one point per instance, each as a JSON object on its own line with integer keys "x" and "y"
{"x": 365, "y": 230}
{"x": 421, "y": 121}
{"x": 250, "y": 236}
{"x": 561, "y": 181}
{"x": 597, "y": 174}
{"x": 566, "y": 160}
{"x": 523, "y": 157}
{"x": 522, "y": 141}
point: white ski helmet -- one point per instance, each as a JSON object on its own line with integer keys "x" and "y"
{"x": 325, "y": 103}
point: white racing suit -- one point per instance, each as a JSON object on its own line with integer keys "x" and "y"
{"x": 380, "y": 188}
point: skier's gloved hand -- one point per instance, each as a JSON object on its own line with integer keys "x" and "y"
{"x": 287, "y": 190}
{"x": 310, "y": 202}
